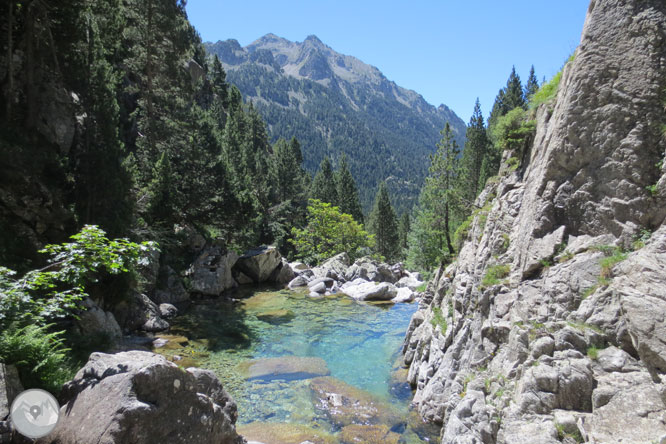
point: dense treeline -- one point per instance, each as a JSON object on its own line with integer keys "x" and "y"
{"x": 113, "y": 108}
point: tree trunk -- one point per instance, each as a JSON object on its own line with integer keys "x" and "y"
{"x": 446, "y": 229}
{"x": 10, "y": 57}
{"x": 30, "y": 66}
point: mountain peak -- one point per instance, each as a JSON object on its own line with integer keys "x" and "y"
{"x": 314, "y": 40}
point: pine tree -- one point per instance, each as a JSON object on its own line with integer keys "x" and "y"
{"x": 323, "y": 185}
{"x": 384, "y": 225}
{"x": 532, "y": 85}
{"x": 474, "y": 152}
{"x": 403, "y": 232}
{"x": 286, "y": 171}
{"x": 161, "y": 194}
{"x": 514, "y": 96}
{"x": 347, "y": 192}
{"x": 439, "y": 207}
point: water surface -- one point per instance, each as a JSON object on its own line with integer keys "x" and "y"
{"x": 360, "y": 343}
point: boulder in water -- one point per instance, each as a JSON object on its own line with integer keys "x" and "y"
{"x": 259, "y": 263}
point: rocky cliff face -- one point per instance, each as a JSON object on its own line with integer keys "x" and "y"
{"x": 554, "y": 313}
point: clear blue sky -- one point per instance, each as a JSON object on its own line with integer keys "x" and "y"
{"x": 449, "y": 51}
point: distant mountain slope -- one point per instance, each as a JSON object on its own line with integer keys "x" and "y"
{"x": 337, "y": 104}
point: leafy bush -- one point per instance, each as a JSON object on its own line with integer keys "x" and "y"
{"x": 28, "y": 304}
{"x": 52, "y": 292}
{"x": 39, "y": 356}
{"x": 329, "y": 232}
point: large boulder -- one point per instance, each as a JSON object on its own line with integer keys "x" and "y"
{"x": 372, "y": 291}
{"x": 259, "y": 263}
{"x": 138, "y": 312}
{"x": 140, "y": 397}
{"x": 171, "y": 289}
{"x": 371, "y": 270}
{"x": 283, "y": 273}
{"x": 210, "y": 273}
{"x": 334, "y": 267}
{"x": 93, "y": 320}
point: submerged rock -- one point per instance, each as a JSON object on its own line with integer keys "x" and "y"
{"x": 140, "y": 397}
{"x": 280, "y": 433}
{"x": 344, "y": 404}
{"x": 285, "y": 367}
{"x": 276, "y": 316}
{"x": 368, "y": 434}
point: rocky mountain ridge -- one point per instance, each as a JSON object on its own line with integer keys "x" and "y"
{"x": 549, "y": 327}
{"x": 334, "y": 104}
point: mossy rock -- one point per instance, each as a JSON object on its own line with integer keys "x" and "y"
{"x": 285, "y": 367}
{"x": 275, "y": 433}
{"x": 368, "y": 434}
{"x": 276, "y": 316}
{"x": 265, "y": 301}
{"x": 345, "y": 404}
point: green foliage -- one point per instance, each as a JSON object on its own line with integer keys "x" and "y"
{"x": 494, "y": 274}
{"x": 532, "y": 85}
{"x": 593, "y": 353}
{"x": 421, "y": 288}
{"x": 641, "y": 238}
{"x": 548, "y": 91}
{"x": 327, "y": 233}
{"x": 461, "y": 233}
{"x": 438, "y": 320}
{"x": 347, "y": 192}
{"x": 474, "y": 151}
{"x": 609, "y": 262}
{"x": 324, "y": 184}
{"x": 40, "y": 296}
{"x": 512, "y": 130}
{"x": 384, "y": 226}
{"x": 440, "y": 205}
{"x": 38, "y": 354}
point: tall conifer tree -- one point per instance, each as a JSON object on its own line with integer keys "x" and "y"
{"x": 384, "y": 225}
{"x": 323, "y": 185}
{"x": 476, "y": 146}
{"x": 532, "y": 85}
{"x": 347, "y": 192}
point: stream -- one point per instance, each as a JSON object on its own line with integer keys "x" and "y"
{"x": 256, "y": 347}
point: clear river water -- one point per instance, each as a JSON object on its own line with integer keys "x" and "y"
{"x": 359, "y": 344}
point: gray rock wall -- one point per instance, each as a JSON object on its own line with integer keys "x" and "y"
{"x": 567, "y": 343}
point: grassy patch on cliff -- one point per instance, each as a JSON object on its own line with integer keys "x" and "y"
{"x": 494, "y": 275}
{"x": 438, "y": 320}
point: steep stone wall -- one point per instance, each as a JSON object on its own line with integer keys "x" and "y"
{"x": 566, "y": 343}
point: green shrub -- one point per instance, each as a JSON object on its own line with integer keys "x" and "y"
{"x": 421, "y": 288}
{"x": 608, "y": 263}
{"x": 329, "y": 232}
{"x": 494, "y": 274}
{"x": 462, "y": 232}
{"x": 39, "y": 356}
{"x": 548, "y": 91}
{"x": 593, "y": 353}
{"x": 438, "y": 320}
